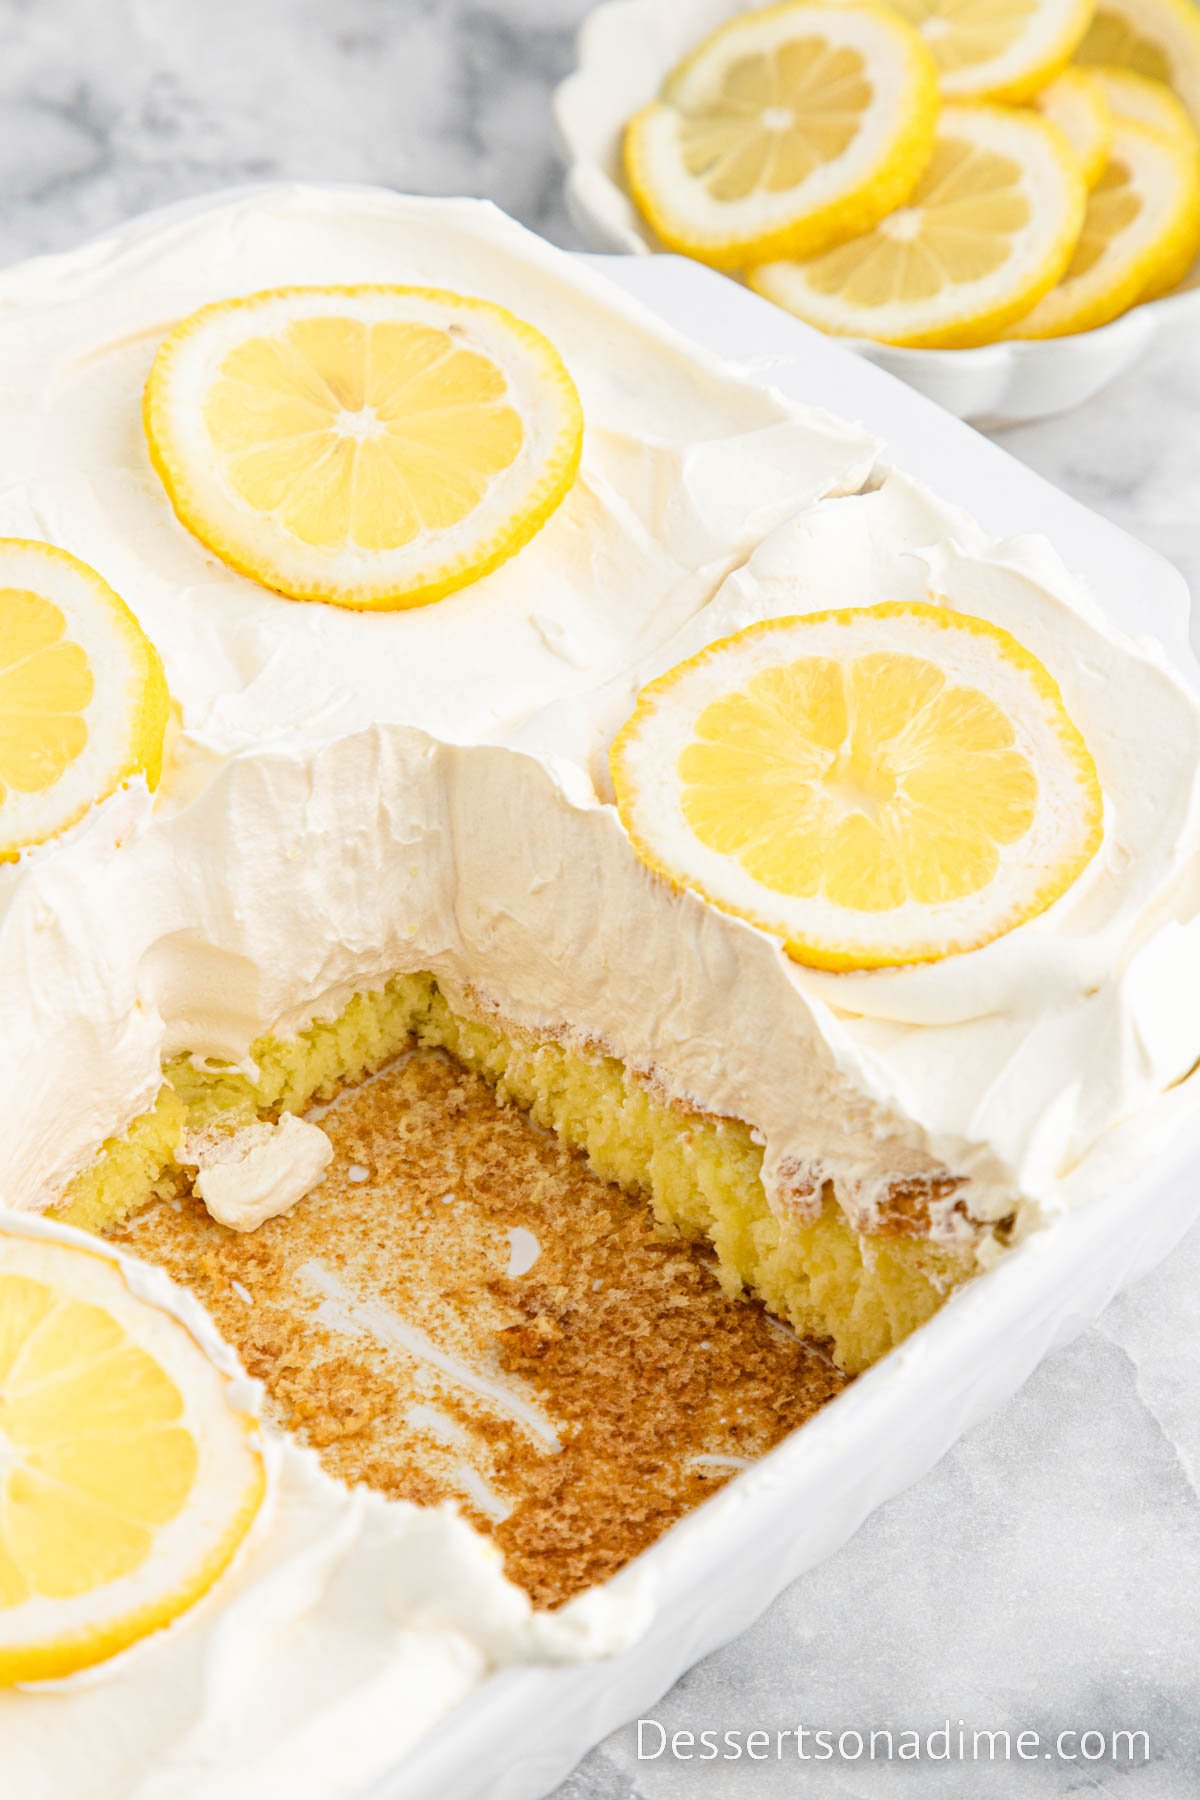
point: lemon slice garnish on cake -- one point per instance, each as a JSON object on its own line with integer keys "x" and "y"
{"x": 989, "y": 229}
{"x": 1140, "y": 236}
{"x": 128, "y": 1479}
{"x": 786, "y": 130}
{"x": 876, "y": 786}
{"x": 83, "y": 696}
{"x": 1159, "y": 38}
{"x": 998, "y": 49}
{"x": 1146, "y": 102}
{"x": 374, "y": 447}
{"x": 1076, "y": 102}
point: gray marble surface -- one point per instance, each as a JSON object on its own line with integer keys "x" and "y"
{"x": 1044, "y": 1577}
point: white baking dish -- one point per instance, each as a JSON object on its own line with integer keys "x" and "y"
{"x": 714, "y": 1573}
{"x": 626, "y": 47}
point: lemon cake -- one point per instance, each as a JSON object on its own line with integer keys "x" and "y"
{"x": 407, "y": 643}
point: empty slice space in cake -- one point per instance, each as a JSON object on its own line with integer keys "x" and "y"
{"x": 461, "y": 1311}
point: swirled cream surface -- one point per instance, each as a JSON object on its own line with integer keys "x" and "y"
{"x": 354, "y": 796}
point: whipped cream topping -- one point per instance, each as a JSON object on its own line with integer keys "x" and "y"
{"x": 248, "y": 1176}
{"x": 348, "y": 1625}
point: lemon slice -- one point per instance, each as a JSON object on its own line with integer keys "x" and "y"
{"x": 1076, "y": 102}
{"x": 83, "y": 697}
{"x": 786, "y": 130}
{"x": 881, "y": 785}
{"x": 1160, "y": 38}
{"x": 127, "y": 1478}
{"x": 1140, "y": 236}
{"x": 375, "y": 447}
{"x": 990, "y": 228}
{"x": 998, "y": 49}
{"x": 1145, "y": 101}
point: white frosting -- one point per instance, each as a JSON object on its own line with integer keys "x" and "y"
{"x": 350, "y": 796}
{"x": 248, "y": 1176}
{"x": 346, "y": 1627}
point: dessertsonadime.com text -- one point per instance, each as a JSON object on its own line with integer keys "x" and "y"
{"x": 952, "y": 1741}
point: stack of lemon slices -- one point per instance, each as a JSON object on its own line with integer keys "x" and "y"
{"x": 935, "y": 173}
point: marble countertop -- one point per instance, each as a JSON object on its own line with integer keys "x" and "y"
{"x": 1044, "y": 1576}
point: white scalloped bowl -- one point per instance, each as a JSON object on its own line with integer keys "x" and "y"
{"x": 625, "y": 49}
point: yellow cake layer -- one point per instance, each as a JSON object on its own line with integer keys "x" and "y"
{"x": 128, "y": 1168}
{"x": 701, "y": 1175}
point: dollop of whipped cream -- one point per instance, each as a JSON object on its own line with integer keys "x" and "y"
{"x": 253, "y": 1174}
